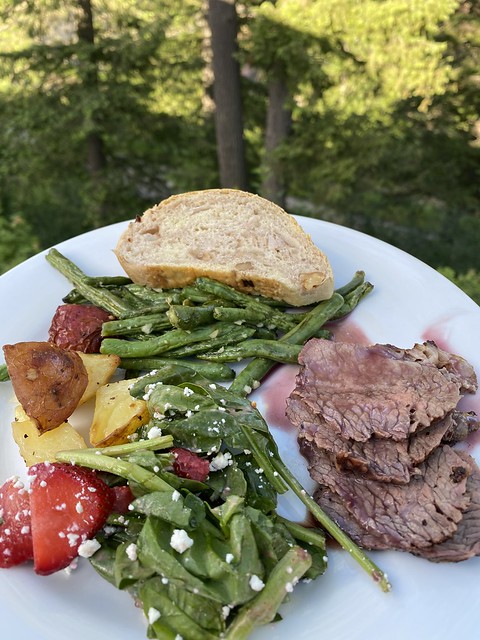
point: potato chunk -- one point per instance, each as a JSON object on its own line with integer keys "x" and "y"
{"x": 117, "y": 414}
{"x": 35, "y": 447}
{"x": 100, "y": 368}
{"x": 47, "y": 381}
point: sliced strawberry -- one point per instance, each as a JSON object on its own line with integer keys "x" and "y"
{"x": 187, "y": 464}
{"x": 15, "y": 531}
{"x": 122, "y": 497}
{"x": 68, "y": 506}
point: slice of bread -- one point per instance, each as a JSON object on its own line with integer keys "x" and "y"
{"x": 232, "y": 236}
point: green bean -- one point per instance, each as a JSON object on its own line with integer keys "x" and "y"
{"x": 153, "y": 296}
{"x": 352, "y": 299}
{"x": 130, "y": 326}
{"x": 271, "y": 349}
{"x": 278, "y": 318}
{"x": 187, "y": 317}
{"x": 193, "y": 293}
{"x": 239, "y": 315}
{"x": 355, "y": 282}
{"x": 105, "y": 281}
{"x": 210, "y": 370}
{"x": 236, "y": 334}
{"x": 74, "y": 297}
{"x": 160, "y": 344}
{"x": 250, "y": 377}
{"x": 98, "y": 296}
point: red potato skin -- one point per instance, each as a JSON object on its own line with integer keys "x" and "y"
{"x": 48, "y": 381}
{"x": 77, "y": 327}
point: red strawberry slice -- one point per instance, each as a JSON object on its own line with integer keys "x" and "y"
{"x": 69, "y": 505}
{"x": 122, "y": 497}
{"x": 15, "y": 531}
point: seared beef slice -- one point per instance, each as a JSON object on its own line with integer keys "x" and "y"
{"x": 362, "y": 392}
{"x": 373, "y": 423}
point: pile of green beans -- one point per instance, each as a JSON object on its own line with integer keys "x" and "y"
{"x": 204, "y": 325}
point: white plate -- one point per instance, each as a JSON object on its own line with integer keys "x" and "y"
{"x": 410, "y": 302}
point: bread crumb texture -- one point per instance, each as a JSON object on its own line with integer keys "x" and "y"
{"x": 232, "y": 236}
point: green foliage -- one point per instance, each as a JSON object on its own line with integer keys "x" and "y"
{"x": 384, "y": 95}
{"x": 469, "y": 281}
{"x": 16, "y": 242}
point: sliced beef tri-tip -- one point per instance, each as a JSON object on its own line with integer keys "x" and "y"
{"x": 376, "y": 424}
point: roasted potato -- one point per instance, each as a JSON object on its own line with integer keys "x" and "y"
{"x": 100, "y": 368}
{"x": 78, "y": 327}
{"x": 47, "y": 381}
{"x": 35, "y": 447}
{"x": 117, "y": 414}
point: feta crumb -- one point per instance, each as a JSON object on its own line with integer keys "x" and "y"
{"x": 71, "y": 567}
{"x": 24, "y": 530}
{"x": 187, "y": 391}
{"x": 256, "y": 584}
{"x": 229, "y": 558}
{"x": 225, "y": 611}
{"x": 154, "y": 432}
{"x": 43, "y": 483}
{"x": 221, "y": 461}
{"x": 72, "y": 538}
{"x": 153, "y": 615}
{"x": 164, "y": 580}
{"x": 88, "y": 548}
{"x": 247, "y": 389}
{"x": 180, "y": 540}
{"x": 79, "y": 507}
{"x": 176, "y": 496}
{"x": 289, "y": 587}
{"x": 131, "y": 551}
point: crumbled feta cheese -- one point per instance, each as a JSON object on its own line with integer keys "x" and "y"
{"x": 225, "y": 611}
{"x": 289, "y": 587}
{"x": 176, "y": 496}
{"x": 180, "y": 540}
{"x": 131, "y": 551}
{"x": 229, "y": 558}
{"x": 221, "y": 461}
{"x": 72, "y": 538}
{"x": 187, "y": 391}
{"x": 256, "y": 584}
{"x": 79, "y": 507}
{"x": 71, "y": 567}
{"x": 153, "y": 615}
{"x": 154, "y": 432}
{"x": 88, "y": 548}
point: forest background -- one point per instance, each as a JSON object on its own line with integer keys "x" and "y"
{"x": 361, "y": 112}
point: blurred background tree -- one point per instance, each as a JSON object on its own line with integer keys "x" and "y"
{"x": 362, "y": 112}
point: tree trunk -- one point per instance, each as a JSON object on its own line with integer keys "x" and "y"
{"x": 222, "y": 19}
{"x": 96, "y": 160}
{"x": 278, "y": 125}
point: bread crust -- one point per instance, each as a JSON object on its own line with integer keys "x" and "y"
{"x": 209, "y": 233}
